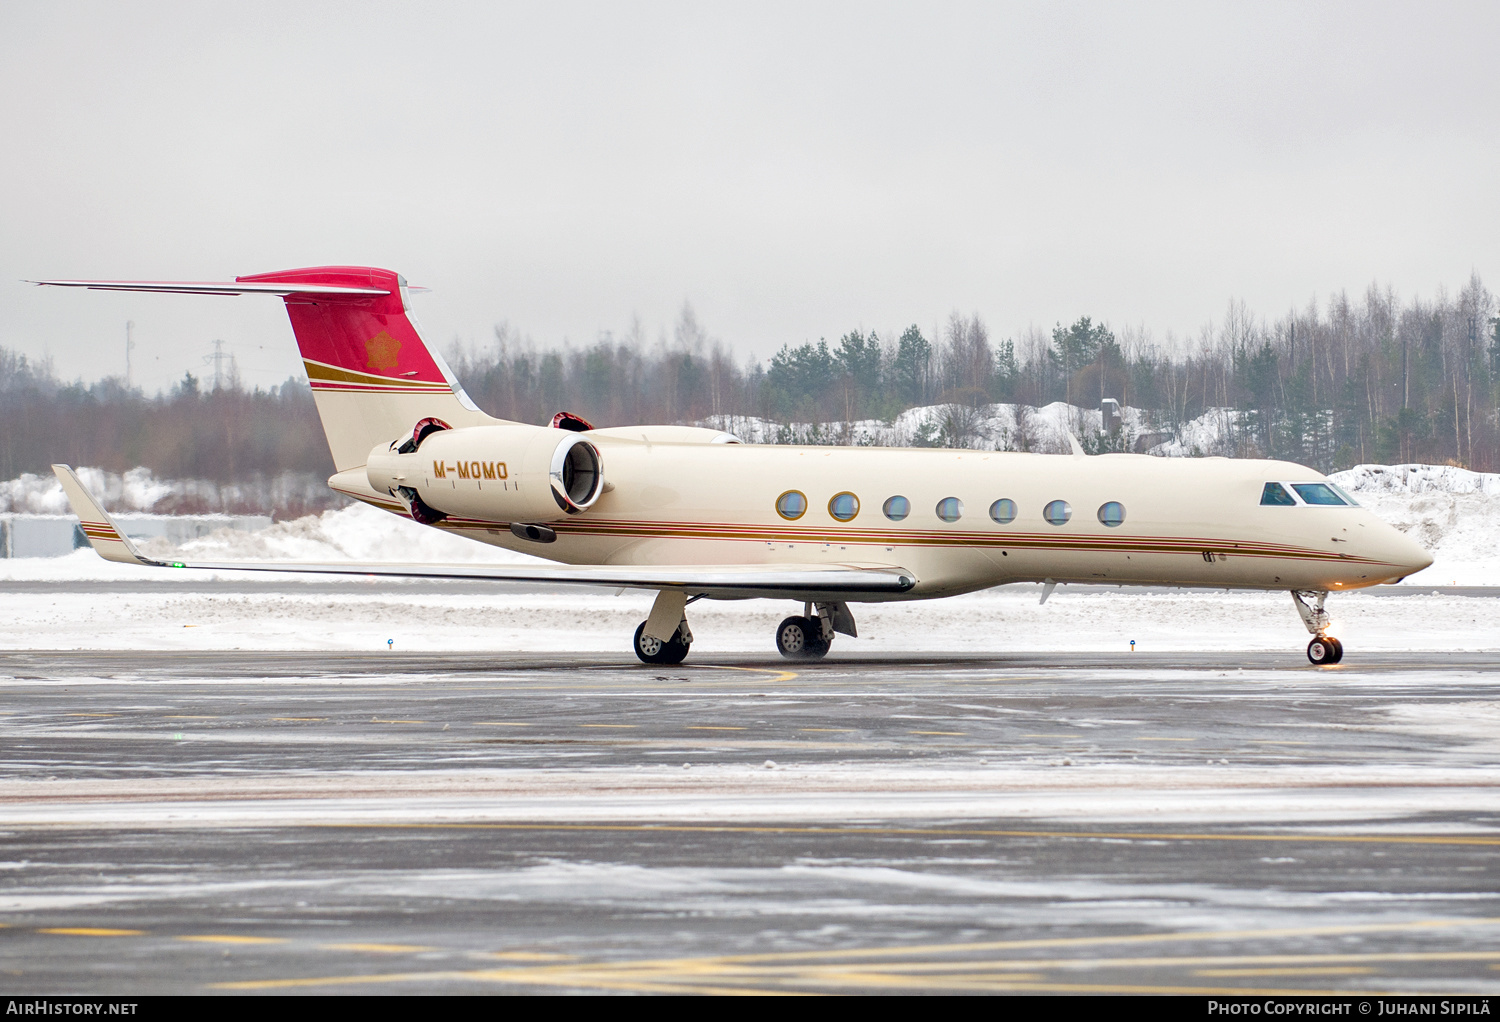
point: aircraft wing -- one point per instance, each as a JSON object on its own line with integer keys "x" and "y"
{"x": 791, "y": 581}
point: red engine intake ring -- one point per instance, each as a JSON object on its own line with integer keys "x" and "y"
{"x": 431, "y": 424}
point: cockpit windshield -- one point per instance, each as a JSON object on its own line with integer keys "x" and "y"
{"x": 1345, "y": 494}
{"x": 1325, "y": 494}
{"x": 1276, "y": 494}
{"x": 1318, "y": 493}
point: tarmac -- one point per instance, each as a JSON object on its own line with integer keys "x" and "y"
{"x": 1215, "y": 823}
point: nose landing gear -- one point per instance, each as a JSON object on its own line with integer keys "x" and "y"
{"x": 1324, "y": 648}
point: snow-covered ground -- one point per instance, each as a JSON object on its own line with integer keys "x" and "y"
{"x": 999, "y": 621}
{"x": 1455, "y": 513}
{"x": 1111, "y": 792}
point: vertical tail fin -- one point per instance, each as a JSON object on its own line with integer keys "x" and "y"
{"x": 372, "y": 375}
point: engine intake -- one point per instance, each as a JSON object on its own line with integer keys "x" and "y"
{"x": 576, "y": 478}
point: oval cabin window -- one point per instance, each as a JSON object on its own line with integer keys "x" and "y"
{"x": 896, "y": 508}
{"x": 1057, "y": 512}
{"x": 791, "y": 505}
{"x": 1003, "y": 511}
{"x": 844, "y": 506}
{"x": 1112, "y": 514}
{"x": 950, "y": 509}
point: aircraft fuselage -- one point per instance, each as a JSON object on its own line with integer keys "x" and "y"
{"x": 1184, "y": 521}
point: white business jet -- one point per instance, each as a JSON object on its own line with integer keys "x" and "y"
{"x": 692, "y": 513}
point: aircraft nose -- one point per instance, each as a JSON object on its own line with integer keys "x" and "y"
{"x": 1405, "y": 552}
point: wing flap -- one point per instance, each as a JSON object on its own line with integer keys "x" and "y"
{"x": 706, "y": 578}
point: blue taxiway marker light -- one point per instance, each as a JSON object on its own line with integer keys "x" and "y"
{"x": 1132, "y": 645}
{"x": 390, "y": 643}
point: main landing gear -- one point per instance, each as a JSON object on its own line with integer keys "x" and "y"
{"x": 664, "y": 637}
{"x": 802, "y": 638}
{"x": 809, "y": 637}
{"x": 652, "y": 650}
{"x": 1324, "y": 648}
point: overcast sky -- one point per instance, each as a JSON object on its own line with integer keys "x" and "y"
{"x": 792, "y": 170}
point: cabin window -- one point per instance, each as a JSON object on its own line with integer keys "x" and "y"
{"x": 896, "y": 508}
{"x": 1112, "y": 514}
{"x": 1003, "y": 511}
{"x": 1318, "y": 493}
{"x": 1275, "y": 494}
{"x": 791, "y": 505}
{"x": 1057, "y": 512}
{"x": 844, "y": 506}
{"x": 950, "y": 509}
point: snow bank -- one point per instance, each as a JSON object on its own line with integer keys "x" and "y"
{"x": 355, "y": 533}
{"x": 1452, "y": 512}
{"x": 1004, "y": 427}
{"x": 136, "y": 490}
{"x": 1209, "y": 434}
{"x": 1410, "y": 479}
{"x": 290, "y": 493}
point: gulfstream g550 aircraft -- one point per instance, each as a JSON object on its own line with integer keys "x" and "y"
{"x": 692, "y": 513}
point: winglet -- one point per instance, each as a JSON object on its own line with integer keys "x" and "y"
{"x": 107, "y": 540}
{"x": 1077, "y": 447}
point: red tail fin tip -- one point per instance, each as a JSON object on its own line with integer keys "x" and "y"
{"x": 364, "y": 343}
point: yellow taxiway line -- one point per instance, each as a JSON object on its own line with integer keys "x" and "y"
{"x": 812, "y": 971}
{"x": 884, "y": 967}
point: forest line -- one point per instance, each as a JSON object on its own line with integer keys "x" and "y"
{"x": 1350, "y": 381}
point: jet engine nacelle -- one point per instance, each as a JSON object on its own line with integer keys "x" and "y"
{"x": 511, "y": 473}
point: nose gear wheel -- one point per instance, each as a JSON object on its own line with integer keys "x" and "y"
{"x": 1325, "y": 649}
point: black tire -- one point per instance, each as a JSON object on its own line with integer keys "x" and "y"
{"x": 676, "y": 651}
{"x": 1338, "y": 649}
{"x": 801, "y": 638}
{"x": 651, "y": 650}
{"x": 1323, "y": 650}
{"x": 791, "y": 638}
{"x": 817, "y": 647}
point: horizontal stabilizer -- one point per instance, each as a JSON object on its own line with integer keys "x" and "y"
{"x": 188, "y": 287}
{"x": 793, "y": 581}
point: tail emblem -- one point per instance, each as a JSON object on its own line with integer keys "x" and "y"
{"x": 382, "y": 350}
